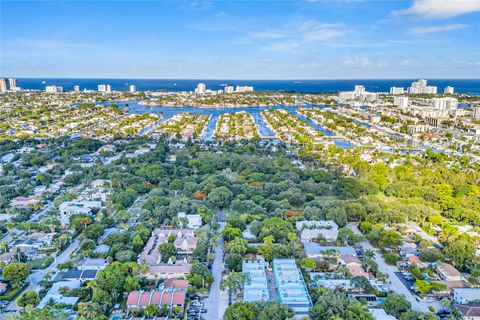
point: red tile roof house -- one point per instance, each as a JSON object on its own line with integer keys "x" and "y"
{"x": 169, "y": 296}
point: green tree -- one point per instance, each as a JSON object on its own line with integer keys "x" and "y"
{"x": 234, "y": 282}
{"x": 460, "y": 252}
{"x": 28, "y": 298}
{"x": 16, "y": 272}
{"x": 220, "y": 196}
{"x": 335, "y": 305}
{"x": 167, "y": 250}
{"x": 395, "y": 305}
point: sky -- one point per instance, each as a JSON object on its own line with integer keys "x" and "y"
{"x": 268, "y": 39}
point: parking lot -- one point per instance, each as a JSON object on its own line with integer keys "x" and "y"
{"x": 196, "y": 308}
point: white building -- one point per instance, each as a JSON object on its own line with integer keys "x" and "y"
{"x": 444, "y": 103}
{"x": 466, "y": 295}
{"x": 201, "y": 88}
{"x": 421, "y": 87}
{"x": 109, "y": 88}
{"x": 229, "y": 89}
{"x": 76, "y": 88}
{"x": 397, "y": 90}
{"x": 314, "y": 229}
{"x": 133, "y": 88}
{"x": 102, "y": 88}
{"x": 401, "y": 102}
{"x": 244, "y": 89}
{"x": 3, "y": 85}
{"x": 12, "y": 82}
{"x": 53, "y": 89}
{"x": 476, "y": 112}
{"x": 448, "y": 90}
{"x": 359, "y": 93}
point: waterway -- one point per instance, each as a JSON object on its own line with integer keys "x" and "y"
{"x": 168, "y": 112}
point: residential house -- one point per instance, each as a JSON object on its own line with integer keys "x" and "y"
{"x": 168, "y": 271}
{"x": 24, "y": 202}
{"x": 54, "y": 293}
{"x": 92, "y": 264}
{"x": 316, "y": 251}
{"x": 469, "y": 311}
{"x": 169, "y": 296}
{"x": 466, "y": 295}
{"x": 314, "y": 229}
{"x": 449, "y": 273}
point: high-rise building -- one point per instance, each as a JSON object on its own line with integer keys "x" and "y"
{"x": 359, "y": 90}
{"x": 397, "y": 90}
{"x": 445, "y": 104}
{"x": 229, "y": 89}
{"x": 244, "y": 89}
{"x": 53, "y": 89}
{"x": 401, "y": 102}
{"x": 3, "y": 85}
{"x": 76, "y": 88}
{"x": 12, "y": 82}
{"x": 201, "y": 88}
{"x": 421, "y": 87}
{"x": 476, "y": 113}
{"x": 102, "y": 88}
{"x": 448, "y": 90}
{"x": 109, "y": 88}
{"x": 133, "y": 88}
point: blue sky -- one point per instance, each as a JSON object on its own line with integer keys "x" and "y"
{"x": 283, "y": 39}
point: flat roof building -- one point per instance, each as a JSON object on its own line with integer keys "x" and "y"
{"x": 291, "y": 287}
{"x": 256, "y": 289}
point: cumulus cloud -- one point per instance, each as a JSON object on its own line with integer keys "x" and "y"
{"x": 434, "y": 29}
{"x": 443, "y": 9}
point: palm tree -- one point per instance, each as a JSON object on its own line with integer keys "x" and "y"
{"x": 369, "y": 253}
{"x": 48, "y": 276}
{"x": 144, "y": 267}
{"x": 4, "y": 246}
{"x": 151, "y": 310}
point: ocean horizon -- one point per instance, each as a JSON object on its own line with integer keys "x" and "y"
{"x": 468, "y": 86}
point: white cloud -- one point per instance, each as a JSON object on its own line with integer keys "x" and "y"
{"x": 362, "y": 62}
{"x": 443, "y": 9}
{"x": 294, "y": 37}
{"x": 433, "y": 29}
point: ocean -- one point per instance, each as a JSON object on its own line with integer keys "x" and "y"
{"x": 470, "y": 86}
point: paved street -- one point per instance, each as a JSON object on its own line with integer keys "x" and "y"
{"x": 395, "y": 284}
{"x": 217, "y": 301}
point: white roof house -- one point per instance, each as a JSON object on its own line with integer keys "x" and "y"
{"x": 326, "y": 229}
{"x": 466, "y": 295}
{"x": 380, "y": 314}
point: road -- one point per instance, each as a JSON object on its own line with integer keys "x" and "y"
{"x": 37, "y": 276}
{"x": 395, "y": 284}
{"x": 217, "y": 301}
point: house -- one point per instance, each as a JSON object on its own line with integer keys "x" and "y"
{"x": 168, "y": 271}
{"x": 100, "y": 183}
{"x": 92, "y": 264}
{"x": 7, "y": 257}
{"x": 449, "y": 273}
{"x": 5, "y": 217}
{"x": 194, "y": 221}
{"x": 81, "y": 275}
{"x": 466, "y": 295}
{"x": 55, "y": 294}
{"x": 469, "y": 311}
{"x": 24, "y": 202}
{"x": 257, "y": 288}
{"x": 185, "y": 242}
{"x": 69, "y": 208}
{"x": 176, "y": 283}
{"x": 315, "y": 229}
{"x": 380, "y": 314}
{"x": 8, "y": 158}
{"x": 354, "y": 265}
{"x": 316, "y": 251}
{"x": 169, "y": 296}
